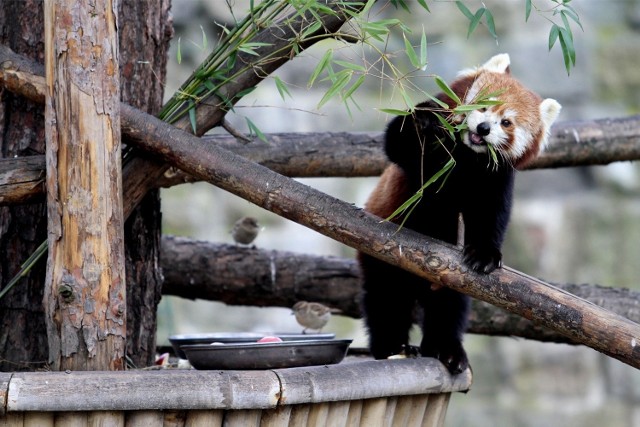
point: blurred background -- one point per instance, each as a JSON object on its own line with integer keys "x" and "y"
{"x": 579, "y": 225}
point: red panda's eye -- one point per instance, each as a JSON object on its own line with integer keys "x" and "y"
{"x": 506, "y": 123}
{"x": 482, "y": 110}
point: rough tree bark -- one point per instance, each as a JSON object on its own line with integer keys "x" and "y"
{"x": 85, "y": 292}
{"x": 577, "y": 319}
{"x": 23, "y": 340}
{"x": 145, "y": 31}
{"x": 251, "y": 276}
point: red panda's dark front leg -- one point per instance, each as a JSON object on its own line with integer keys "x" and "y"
{"x": 486, "y": 216}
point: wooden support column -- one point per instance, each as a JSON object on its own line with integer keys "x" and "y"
{"x": 85, "y": 294}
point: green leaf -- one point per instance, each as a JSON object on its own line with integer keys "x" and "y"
{"x": 282, "y": 88}
{"x": 354, "y": 87}
{"x": 465, "y": 10}
{"x": 527, "y": 10}
{"x": 204, "y": 39}
{"x": 351, "y": 66}
{"x": 445, "y": 123}
{"x": 192, "y": 114}
{"x": 553, "y": 35}
{"x": 340, "y": 81}
{"x": 423, "y": 49}
{"x": 179, "y": 52}
{"x": 491, "y": 26}
{"x": 311, "y": 30}
{"x": 411, "y": 53}
{"x": 254, "y": 130}
{"x": 571, "y": 12}
{"x": 324, "y": 62}
{"x": 423, "y": 3}
{"x": 395, "y": 112}
{"x": 475, "y": 21}
{"x": 446, "y": 89}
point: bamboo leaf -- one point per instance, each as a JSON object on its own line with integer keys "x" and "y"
{"x": 192, "y": 114}
{"x": 341, "y": 80}
{"x": 324, "y": 62}
{"x": 553, "y": 35}
{"x": 527, "y": 10}
{"x": 411, "y": 53}
{"x": 465, "y": 10}
{"x": 423, "y": 49}
{"x": 446, "y": 89}
{"x": 354, "y": 87}
{"x": 255, "y": 130}
{"x": 395, "y": 112}
{"x": 423, "y": 3}
{"x": 282, "y": 88}
{"x": 475, "y": 21}
{"x": 179, "y": 52}
{"x": 491, "y": 26}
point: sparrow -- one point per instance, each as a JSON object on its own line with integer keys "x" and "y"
{"x": 312, "y": 315}
{"x": 245, "y": 230}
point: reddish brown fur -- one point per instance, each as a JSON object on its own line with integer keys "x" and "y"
{"x": 392, "y": 191}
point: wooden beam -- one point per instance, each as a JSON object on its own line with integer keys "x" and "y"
{"x": 85, "y": 293}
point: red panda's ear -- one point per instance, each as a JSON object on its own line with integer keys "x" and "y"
{"x": 498, "y": 64}
{"x": 549, "y": 111}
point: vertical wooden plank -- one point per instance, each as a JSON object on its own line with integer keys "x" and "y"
{"x": 70, "y": 419}
{"x": 299, "y": 415}
{"x": 144, "y": 419}
{"x": 318, "y": 415}
{"x": 242, "y": 418}
{"x": 402, "y": 411}
{"x": 355, "y": 413}
{"x": 436, "y": 410}
{"x": 338, "y": 414}
{"x": 419, "y": 406}
{"x": 12, "y": 420}
{"x": 390, "y": 410}
{"x": 38, "y": 419}
{"x": 278, "y": 417}
{"x": 204, "y": 418}
{"x": 105, "y": 419}
{"x": 373, "y": 412}
{"x": 85, "y": 293}
{"x": 174, "y": 418}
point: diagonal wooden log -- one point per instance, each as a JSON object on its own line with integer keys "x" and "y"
{"x": 579, "y": 320}
{"x": 354, "y": 154}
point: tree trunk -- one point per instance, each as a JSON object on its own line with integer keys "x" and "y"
{"x": 85, "y": 291}
{"x": 145, "y": 32}
{"x": 23, "y": 340}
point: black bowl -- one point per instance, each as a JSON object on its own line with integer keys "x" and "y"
{"x": 286, "y": 354}
{"x": 178, "y": 341}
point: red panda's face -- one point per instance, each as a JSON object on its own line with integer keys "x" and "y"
{"x": 518, "y": 126}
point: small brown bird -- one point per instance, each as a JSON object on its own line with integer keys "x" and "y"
{"x": 245, "y": 230}
{"x": 312, "y": 315}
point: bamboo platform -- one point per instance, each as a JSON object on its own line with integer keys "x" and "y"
{"x": 356, "y": 392}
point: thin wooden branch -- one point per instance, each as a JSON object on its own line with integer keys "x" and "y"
{"x": 257, "y": 277}
{"x": 545, "y": 304}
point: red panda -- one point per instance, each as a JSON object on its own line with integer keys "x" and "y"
{"x": 479, "y": 187}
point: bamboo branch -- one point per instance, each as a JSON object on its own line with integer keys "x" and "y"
{"x": 531, "y": 298}
{"x": 257, "y": 277}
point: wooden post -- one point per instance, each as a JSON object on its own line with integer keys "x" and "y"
{"x": 85, "y": 294}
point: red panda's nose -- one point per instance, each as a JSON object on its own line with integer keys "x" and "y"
{"x": 483, "y": 129}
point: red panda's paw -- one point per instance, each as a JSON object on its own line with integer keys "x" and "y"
{"x": 452, "y": 356}
{"x": 482, "y": 259}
